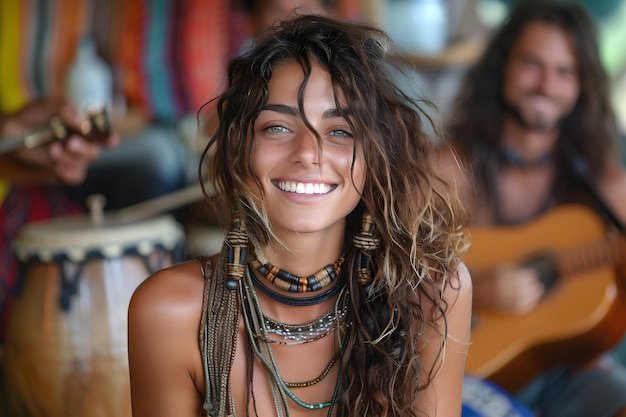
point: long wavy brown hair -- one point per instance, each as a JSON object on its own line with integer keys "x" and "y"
{"x": 418, "y": 217}
{"x": 479, "y": 109}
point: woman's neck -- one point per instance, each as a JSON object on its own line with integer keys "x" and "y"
{"x": 304, "y": 254}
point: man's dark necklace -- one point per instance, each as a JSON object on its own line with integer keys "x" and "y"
{"x": 514, "y": 158}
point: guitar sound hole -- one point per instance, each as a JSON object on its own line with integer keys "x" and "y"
{"x": 545, "y": 265}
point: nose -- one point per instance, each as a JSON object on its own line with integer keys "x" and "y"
{"x": 305, "y": 148}
{"x": 548, "y": 82}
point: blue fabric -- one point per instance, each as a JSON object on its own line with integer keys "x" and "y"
{"x": 619, "y": 353}
{"x": 483, "y": 398}
{"x": 597, "y": 392}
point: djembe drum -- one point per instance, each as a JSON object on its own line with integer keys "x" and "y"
{"x": 66, "y": 345}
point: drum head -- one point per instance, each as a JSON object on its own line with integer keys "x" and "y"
{"x": 77, "y": 236}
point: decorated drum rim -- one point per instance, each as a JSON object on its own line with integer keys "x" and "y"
{"x": 77, "y": 237}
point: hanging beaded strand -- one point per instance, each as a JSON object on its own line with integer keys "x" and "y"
{"x": 237, "y": 241}
{"x": 293, "y": 283}
{"x": 366, "y": 242}
{"x": 259, "y": 338}
{"x": 295, "y": 334}
{"x": 320, "y": 378}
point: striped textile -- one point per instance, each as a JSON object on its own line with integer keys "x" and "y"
{"x": 168, "y": 56}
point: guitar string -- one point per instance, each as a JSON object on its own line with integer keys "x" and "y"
{"x": 578, "y": 260}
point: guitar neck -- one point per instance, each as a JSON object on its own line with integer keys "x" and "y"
{"x": 591, "y": 256}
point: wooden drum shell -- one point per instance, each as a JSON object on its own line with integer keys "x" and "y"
{"x": 66, "y": 345}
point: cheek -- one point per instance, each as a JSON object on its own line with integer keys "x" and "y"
{"x": 573, "y": 88}
{"x": 509, "y": 86}
{"x": 516, "y": 80}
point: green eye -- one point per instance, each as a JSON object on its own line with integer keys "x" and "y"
{"x": 340, "y": 133}
{"x": 277, "y": 129}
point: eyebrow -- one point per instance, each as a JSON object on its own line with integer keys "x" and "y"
{"x": 292, "y": 111}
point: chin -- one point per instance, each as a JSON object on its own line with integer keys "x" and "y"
{"x": 306, "y": 227}
{"x": 543, "y": 125}
{"x": 538, "y": 122}
{"x": 303, "y": 226}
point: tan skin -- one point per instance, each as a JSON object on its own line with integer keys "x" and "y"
{"x": 164, "y": 315}
{"x": 51, "y": 164}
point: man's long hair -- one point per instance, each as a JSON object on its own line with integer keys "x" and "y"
{"x": 479, "y": 109}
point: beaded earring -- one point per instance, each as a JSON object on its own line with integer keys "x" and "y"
{"x": 237, "y": 242}
{"x": 366, "y": 242}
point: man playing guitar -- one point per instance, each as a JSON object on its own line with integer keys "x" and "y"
{"x": 534, "y": 125}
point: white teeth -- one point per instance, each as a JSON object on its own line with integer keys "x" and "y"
{"x": 302, "y": 188}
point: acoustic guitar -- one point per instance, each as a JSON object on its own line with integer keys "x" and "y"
{"x": 583, "y": 312}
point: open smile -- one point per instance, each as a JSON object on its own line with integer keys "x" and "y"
{"x": 304, "y": 188}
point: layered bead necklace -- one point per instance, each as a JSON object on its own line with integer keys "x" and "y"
{"x": 295, "y": 334}
{"x": 264, "y": 331}
{"x": 293, "y": 283}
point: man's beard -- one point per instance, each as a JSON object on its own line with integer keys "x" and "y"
{"x": 537, "y": 124}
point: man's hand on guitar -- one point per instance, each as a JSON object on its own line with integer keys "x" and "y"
{"x": 64, "y": 162}
{"x": 508, "y": 289}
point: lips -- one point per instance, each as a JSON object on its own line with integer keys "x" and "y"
{"x": 304, "y": 188}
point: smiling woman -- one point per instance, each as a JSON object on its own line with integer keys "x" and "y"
{"x": 322, "y": 182}
{"x": 339, "y": 290}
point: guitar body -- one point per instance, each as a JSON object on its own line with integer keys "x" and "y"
{"x": 580, "y": 317}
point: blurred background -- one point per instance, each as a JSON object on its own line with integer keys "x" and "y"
{"x": 469, "y": 22}
{"x": 161, "y": 61}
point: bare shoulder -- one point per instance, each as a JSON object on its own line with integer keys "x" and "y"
{"x": 164, "y": 355}
{"x": 458, "y": 295}
{"x": 457, "y": 300}
{"x": 443, "y": 396}
{"x": 168, "y": 306}
{"x": 174, "y": 291}
{"x": 461, "y": 275}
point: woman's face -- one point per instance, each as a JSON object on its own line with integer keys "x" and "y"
{"x": 308, "y": 189}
